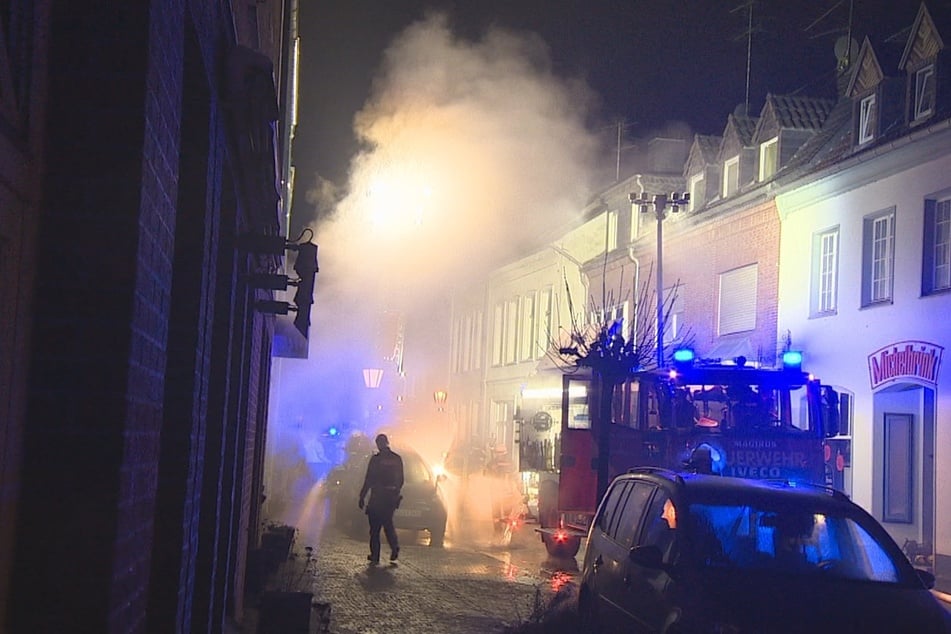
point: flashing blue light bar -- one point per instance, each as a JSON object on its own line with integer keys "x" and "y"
{"x": 792, "y": 359}
{"x": 684, "y": 355}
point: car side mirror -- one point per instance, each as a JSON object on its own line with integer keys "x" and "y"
{"x": 926, "y": 577}
{"x": 649, "y": 556}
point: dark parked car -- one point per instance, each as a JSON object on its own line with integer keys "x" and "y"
{"x": 422, "y": 508}
{"x": 683, "y": 552}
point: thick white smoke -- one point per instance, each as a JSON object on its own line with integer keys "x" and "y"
{"x": 472, "y": 150}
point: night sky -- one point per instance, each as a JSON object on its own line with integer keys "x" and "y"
{"x": 648, "y": 61}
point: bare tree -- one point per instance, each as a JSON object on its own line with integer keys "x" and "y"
{"x": 612, "y": 353}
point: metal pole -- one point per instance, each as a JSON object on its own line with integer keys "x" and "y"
{"x": 659, "y": 209}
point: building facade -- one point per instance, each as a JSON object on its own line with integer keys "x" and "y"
{"x": 138, "y": 142}
{"x": 865, "y": 287}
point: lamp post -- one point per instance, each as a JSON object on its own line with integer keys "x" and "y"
{"x": 439, "y": 397}
{"x": 372, "y": 377}
{"x": 660, "y": 203}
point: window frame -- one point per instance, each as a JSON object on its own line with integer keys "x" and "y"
{"x": 696, "y": 192}
{"x": 878, "y": 252}
{"x": 612, "y": 221}
{"x": 769, "y": 149}
{"x": 528, "y": 316}
{"x": 936, "y": 246}
{"x": 825, "y": 268}
{"x": 727, "y": 165}
{"x": 929, "y": 83}
{"x": 868, "y": 112}
{"x": 745, "y": 322}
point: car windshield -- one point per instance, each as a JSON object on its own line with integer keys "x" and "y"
{"x": 415, "y": 470}
{"x": 788, "y": 541}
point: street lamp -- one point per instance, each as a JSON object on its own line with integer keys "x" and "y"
{"x": 440, "y": 396}
{"x": 660, "y": 203}
{"x": 372, "y": 377}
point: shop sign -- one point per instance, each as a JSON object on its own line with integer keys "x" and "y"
{"x": 911, "y": 361}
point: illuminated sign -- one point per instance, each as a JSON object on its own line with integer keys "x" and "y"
{"x": 911, "y": 361}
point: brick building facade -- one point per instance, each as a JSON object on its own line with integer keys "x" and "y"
{"x": 136, "y": 143}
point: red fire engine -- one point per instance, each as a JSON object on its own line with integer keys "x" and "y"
{"x": 731, "y": 419}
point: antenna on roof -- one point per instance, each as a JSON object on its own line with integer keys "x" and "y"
{"x": 749, "y": 45}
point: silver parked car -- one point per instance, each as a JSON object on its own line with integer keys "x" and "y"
{"x": 422, "y": 508}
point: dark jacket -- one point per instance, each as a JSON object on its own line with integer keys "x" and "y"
{"x": 384, "y": 479}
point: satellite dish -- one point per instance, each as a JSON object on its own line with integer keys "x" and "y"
{"x": 846, "y": 49}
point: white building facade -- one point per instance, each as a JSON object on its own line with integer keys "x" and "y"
{"x": 865, "y": 285}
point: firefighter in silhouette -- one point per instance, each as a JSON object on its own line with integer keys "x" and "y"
{"x": 384, "y": 479}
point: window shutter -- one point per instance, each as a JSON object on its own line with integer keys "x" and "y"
{"x": 737, "y": 308}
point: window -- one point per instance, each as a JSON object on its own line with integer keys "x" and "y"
{"x": 630, "y": 516}
{"x": 768, "y": 158}
{"x": 477, "y": 341}
{"x": 497, "y": 325}
{"x": 610, "y": 315}
{"x": 867, "y": 119}
{"x": 878, "y": 245}
{"x": 673, "y": 313}
{"x": 543, "y": 321}
{"x": 839, "y": 456}
{"x": 635, "y": 221}
{"x": 527, "y": 347}
{"x": 613, "y": 505}
{"x": 610, "y": 237}
{"x": 825, "y": 272}
{"x": 936, "y": 254}
{"x": 696, "y": 192}
{"x": 511, "y": 331}
{"x": 737, "y": 301}
{"x": 731, "y": 176}
{"x": 467, "y": 343}
{"x": 924, "y": 92}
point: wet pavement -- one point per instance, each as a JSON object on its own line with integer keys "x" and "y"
{"x": 470, "y": 585}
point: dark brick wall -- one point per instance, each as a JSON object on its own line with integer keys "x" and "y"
{"x": 148, "y": 369}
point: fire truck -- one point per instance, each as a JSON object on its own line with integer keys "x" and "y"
{"x": 732, "y": 419}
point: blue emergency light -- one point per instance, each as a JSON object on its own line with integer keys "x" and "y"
{"x": 684, "y": 356}
{"x": 333, "y": 431}
{"x": 792, "y": 360}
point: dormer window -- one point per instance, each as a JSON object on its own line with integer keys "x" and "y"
{"x": 924, "y": 92}
{"x": 731, "y": 176}
{"x": 696, "y": 192}
{"x": 868, "y": 115}
{"x": 768, "y": 158}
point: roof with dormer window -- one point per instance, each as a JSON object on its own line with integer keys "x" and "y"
{"x": 703, "y": 152}
{"x": 867, "y": 73}
{"x": 791, "y": 112}
{"x": 737, "y": 135}
{"x": 924, "y": 43}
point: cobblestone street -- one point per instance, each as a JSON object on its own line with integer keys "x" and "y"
{"x": 457, "y": 589}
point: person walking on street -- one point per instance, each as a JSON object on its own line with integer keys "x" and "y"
{"x": 384, "y": 479}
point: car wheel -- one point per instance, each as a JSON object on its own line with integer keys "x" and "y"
{"x": 588, "y": 611}
{"x": 437, "y": 535}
